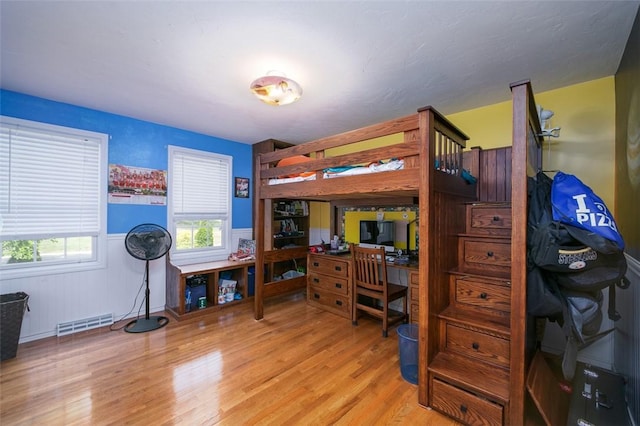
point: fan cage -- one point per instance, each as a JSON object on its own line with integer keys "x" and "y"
{"x": 148, "y": 241}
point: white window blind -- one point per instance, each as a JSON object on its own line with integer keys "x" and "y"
{"x": 201, "y": 185}
{"x": 53, "y": 212}
{"x": 49, "y": 183}
{"x": 199, "y": 204}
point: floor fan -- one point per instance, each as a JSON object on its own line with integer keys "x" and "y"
{"x": 147, "y": 242}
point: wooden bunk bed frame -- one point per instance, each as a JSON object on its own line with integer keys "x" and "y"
{"x": 526, "y": 161}
{"x": 428, "y": 138}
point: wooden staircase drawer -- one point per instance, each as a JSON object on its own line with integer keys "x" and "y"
{"x": 336, "y": 303}
{"x": 475, "y": 344}
{"x": 415, "y": 293}
{"x": 485, "y": 256}
{"x": 489, "y": 219}
{"x": 464, "y": 406}
{"x": 470, "y": 292}
{"x": 328, "y": 265}
{"x": 330, "y": 283}
{"x": 415, "y": 309}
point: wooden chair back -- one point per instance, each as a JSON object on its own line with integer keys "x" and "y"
{"x": 369, "y": 268}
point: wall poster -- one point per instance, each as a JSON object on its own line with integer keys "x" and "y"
{"x": 242, "y": 187}
{"x": 137, "y": 185}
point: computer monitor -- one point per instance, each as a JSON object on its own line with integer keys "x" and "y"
{"x": 375, "y": 233}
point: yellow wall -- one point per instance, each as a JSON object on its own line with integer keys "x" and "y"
{"x": 586, "y": 114}
{"x": 319, "y": 215}
{"x": 628, "y": 146}
{"x": 401, "y": 217}
{"x": 368, "y": 144}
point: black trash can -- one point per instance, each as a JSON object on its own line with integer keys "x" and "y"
{"x": 408, "y": 347}
{"x": 12, "y": 309}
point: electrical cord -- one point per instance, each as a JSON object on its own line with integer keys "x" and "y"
{"x": 135, "y": 301}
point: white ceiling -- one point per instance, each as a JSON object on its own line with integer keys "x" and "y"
{"x": 188, "y": 64}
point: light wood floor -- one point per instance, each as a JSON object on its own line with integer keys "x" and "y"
{"x": 299, "y": 365}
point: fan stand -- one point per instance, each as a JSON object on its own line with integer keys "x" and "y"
{"x": 147, "y": 323}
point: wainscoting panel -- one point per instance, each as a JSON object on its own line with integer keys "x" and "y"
{"x": 117, "y": 289}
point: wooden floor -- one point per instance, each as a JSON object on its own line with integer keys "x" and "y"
{"x": 299, "y": 365}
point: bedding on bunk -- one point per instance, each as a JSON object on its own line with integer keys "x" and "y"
{"x": 360, "y": 169}
{"x": 333, "y": 172}
{"x": 380, "y": 166}
{"x": 276, "y": 181}
{"x": 295, "y": 159}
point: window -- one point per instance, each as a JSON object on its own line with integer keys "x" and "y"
{"x": 52, "y": 198}
{"x": 199, "y": 206}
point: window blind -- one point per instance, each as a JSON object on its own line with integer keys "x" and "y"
{"x": 50, "y": 183}
{"x": 201, "y": 185}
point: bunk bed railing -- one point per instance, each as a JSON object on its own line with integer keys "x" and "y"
{"x": 400, "y": 125}
{"x": 449, "y": 143}
{"x": 320, "y": 162}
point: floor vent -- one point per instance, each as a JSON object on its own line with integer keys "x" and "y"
{"x": 84, "y": 324}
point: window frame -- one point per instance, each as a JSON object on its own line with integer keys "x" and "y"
{"x": 196, "y": 255}
{"x": 100, "y": 242}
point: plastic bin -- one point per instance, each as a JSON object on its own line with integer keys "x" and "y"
{"x": 12, "y": 309}
{"x": 408, "y": 347}
{"x": 197, "y": 292}
{"x": 252, "y": 281}
{"x": 196, "y": 289}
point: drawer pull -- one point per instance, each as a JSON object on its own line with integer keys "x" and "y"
{"x": 338, "y": 285}
{"x": 339, "y": 302}
{"x": 316, "y": 280}
{"x": 475, "y": 346}
{"x": 496, "y": 218}
{"x": 338, "y": 268}
{"x": 463, "y": 409}
{"x": 316, "y": 264}
{"x": 490, "y": 253}
{"x": 483, "y": 295}
{"x": 316, "y": 295}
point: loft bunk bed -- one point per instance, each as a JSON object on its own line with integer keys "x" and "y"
{"x": 430, "y": 174}
{"x": 431, "y": 177}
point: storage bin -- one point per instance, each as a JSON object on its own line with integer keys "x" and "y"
{"x": 408, "y": 347}
{"x": 292, "y": 274}
{"x": 252, "y": 280}
{"x": 226, "y": 290}
{"x": 197, "y": 292}
{"x": 12, "y": 309}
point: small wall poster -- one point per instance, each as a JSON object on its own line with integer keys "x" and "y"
{"x": 242, "y": 187}
{"x": 137, "y": 185}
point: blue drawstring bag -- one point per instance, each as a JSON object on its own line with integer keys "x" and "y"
{"x": 574, "y": 203}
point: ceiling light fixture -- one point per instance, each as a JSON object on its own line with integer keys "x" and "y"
{"x": 276, "y": 89}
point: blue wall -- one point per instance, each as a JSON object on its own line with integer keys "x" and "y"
{"x": 134, "y": 143}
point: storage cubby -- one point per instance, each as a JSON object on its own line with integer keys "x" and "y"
{"x": 285, "y": 267}
{"x": 290, "y": 223}
{"x": 210, "y": 275}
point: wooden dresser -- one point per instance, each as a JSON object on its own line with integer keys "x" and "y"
{"x": 329, "y": 283}
{"x": 469, "y": 376}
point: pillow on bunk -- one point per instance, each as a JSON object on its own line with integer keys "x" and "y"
{"x": 295, "y": 159}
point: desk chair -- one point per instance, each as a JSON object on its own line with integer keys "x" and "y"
{"x": 371, "y": 291}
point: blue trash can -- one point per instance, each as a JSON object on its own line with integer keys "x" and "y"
{"x": 408, "y": 347}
